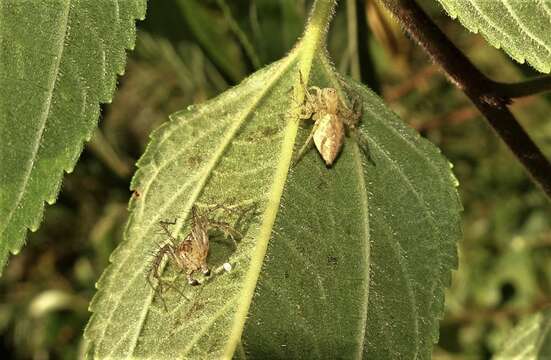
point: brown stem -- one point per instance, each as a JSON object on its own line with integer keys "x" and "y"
{"x": 497, "y": 314}
{"x": 481, "y": 90}
{"x": 524, "y": 88}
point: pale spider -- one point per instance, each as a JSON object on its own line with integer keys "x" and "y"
{"x": 189, "y": 255}
{"x": 330, "y": 115}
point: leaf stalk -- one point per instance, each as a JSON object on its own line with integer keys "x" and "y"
{"x": 315, "y": 35}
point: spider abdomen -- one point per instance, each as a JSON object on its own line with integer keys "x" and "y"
{"x": 329, "y": 137}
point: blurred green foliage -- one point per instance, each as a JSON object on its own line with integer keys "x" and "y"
{"x": 504, "y": 271}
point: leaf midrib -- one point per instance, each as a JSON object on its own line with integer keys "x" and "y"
{"x": 265, "y": 232}
{"x": 43, "y": 119}
{"x": 362, "y": 189}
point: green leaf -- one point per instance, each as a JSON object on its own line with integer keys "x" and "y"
{"x": 319, "y": 273}
{"x": 520, "y": 27}
{"x": 530, "y": 339}
{"x": 310, "y": 293}
{"x": 58, "y": 61}
{"x": 215, "y": 38}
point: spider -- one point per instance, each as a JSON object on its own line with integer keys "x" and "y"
{"x": 189, "y": 255}
{"x": 330, "y": 115}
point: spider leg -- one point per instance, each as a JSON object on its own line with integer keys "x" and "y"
{"x": 154, "y": 268}
{"x": 306, "y": 111}
{"x": 159, "y": 291}
{"x": 164, "y": 227}
{"x": 190, "y": 279}
{"x": 227, "y": 229}
{"x": 205, "y": 270}
{"x": 162, "y": 285}
{"x": 244, "y": 217}
{"x": 309, "y": 97}
{"x": 351, "y": 117}
{"x": 306, "y": 145}
{"x": 176, "y": 289}
{"x": 166, "y": 222}
{"x": 154, "y": 272}
{"x": 220, "y": 207}
{"x": 317, "y": 98}
{"x": 158, "y": 288}
{"x": 357, "y": 109}
{"x": 363, "y": 144}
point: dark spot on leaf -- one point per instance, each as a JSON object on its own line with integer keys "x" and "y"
{"x": 196, "y": 307}
{"x": 269, "y": 130}
{"x": 332, "y": 260}
{"x": 322, "y": 184}
{"x": 194, "y": 160}
{"x": 261, "y": 133}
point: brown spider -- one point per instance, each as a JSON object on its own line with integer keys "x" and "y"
{"x": 330, "y": 115}
{"x": 189, "y": 255}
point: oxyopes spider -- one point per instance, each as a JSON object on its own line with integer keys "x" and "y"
{"x": 330, "y": 115}
{"x": 189, "y": 255}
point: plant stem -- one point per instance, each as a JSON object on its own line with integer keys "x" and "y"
{"x": 488, "y": 96}
{"x": 315, "y": 33}
{"x": 524, "y": 88}
{"x": 322, "y": 11}
{"x": 313, "y": 40}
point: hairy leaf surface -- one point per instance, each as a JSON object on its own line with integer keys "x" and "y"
{"x": 310, "y": 299}
{"x": 58, "y": 61}
{"x": 225, "y": 151}
{"x": 520, "y": 27}
{"x": 319, "y": 273}
{"x": 530, "y": 339}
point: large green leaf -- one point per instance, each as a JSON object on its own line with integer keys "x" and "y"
{"x": 310, "y": 297}
{"x": 319, "y": 273}
{"x": 530, "y": 339}
{"x": 520, "y": 27}
{"x": 58, "y": 61}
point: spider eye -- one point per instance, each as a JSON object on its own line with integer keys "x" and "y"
{"x": 206, "y": 272}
